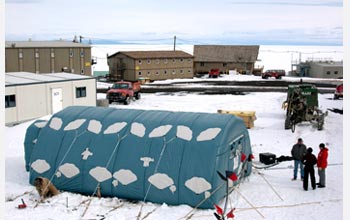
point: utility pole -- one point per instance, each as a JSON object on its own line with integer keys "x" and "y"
{"x": 174, "y": 42}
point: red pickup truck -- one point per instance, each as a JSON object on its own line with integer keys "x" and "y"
{"x": 273, "y": 73}
{"x": 214, "y": 73}
{"x": 124, "y": 91}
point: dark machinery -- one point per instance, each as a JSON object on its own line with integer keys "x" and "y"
{"x": 302, "y": 105}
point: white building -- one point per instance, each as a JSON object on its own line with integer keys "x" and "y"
{"x": 29, "y": 96}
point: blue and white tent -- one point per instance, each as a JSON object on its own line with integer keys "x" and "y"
{"x": 158, "y": 156}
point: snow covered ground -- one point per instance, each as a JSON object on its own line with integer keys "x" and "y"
{"x": 265, "y": 194}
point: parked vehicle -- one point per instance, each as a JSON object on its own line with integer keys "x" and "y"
{"x": 214, "y": 73}
{"x": 302, "y": 105}
{"x": 273, "y": 73}
{"x": 338, "y": 91}
{"x": 124, "y": 91}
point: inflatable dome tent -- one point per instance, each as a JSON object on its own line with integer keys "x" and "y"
{"x": 157, "y": 156}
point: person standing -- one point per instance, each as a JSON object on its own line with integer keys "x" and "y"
{"x": 298, "y": 152}
{"x": 309, "y": 160}
{"x": 322, "y": 162}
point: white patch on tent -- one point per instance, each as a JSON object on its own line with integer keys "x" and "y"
{"x": 115, "y": 183}
{"x": 198, "y": 185}
{"x": 138, "y": 129}
{"x": 40, "y": 166}
{"x": 34, "y": 141}
{"x": 115, "y": 128}
{"x": 41, "y": 124}
{"x": 184, "y": 132}
{"x": 69, "y": 170}
{"x": 86, "y": 154}
{"x": 160, "y": 131}
{"x": 100, "y": 174}
{"x": 207, "y": 194}
{"x": 58, "y": 174}
{"x": 161, "y": 181}
{"x": 55, "y": 123}
{"x": 94, "y": 126}
{"x": 172, "y": 188}
{"x": 236, "y": 162}
{"x": 146, "y": 161}
{"x": 230, "y": 183}
{"x": 124, "y": 176}
{"x": 74, "y": 124}
{"x": 208, "y": 134}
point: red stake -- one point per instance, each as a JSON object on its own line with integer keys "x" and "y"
{"x": 23, "y": 205}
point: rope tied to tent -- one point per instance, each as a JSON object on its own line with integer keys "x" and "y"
{"x": 60, "y": 163}
{"x": 165, "y": 142}
{"x": 97, "y": 190}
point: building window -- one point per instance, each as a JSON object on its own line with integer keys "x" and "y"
{"x": 189, "y": 60}
{"x": 181, "y": 60}
{"x": 82, "y": 54}
{"x": 224, "y": 64}
{"x": 71, "y": 54}
{"x": 181, "y": 72}
{"x": 140, "y": 61}
{"x": 157, "y": 61}
{"x": 52, "y": 55}
{"x": 20, "y": 55}
{"x": 149, "y": 61}
{"x": 335, "y": 72}
{"x": 80, "y": 92}
{"x": 148, "y": 73}
{"x": 165, "y": 72}
{"x": 157, "y": 73}
{"x": 165, "y": 60}
{"x": 36, "y": 54}
{"x": 189, "y": 71}
{"x": 174, "y": 72}
{"x": 202, "y": 64}
{"x": 10, "y": 101}
{"x": 140, "y": 73}
{"x": 174, "y": 60}
{"x": 328, "y": 72}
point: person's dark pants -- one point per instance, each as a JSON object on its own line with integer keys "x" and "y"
{"x": 309, "y": 171}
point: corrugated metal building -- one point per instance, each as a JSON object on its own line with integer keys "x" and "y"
{"x": 29, "y": 96}
{"x": 155, "y": 65}
{"x": 47, "y": 57}
{"x": 320, "y": 69}
{"x": 225, "y": 58}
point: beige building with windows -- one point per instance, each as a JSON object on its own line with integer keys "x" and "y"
{"x": 319, "y": 69}
{"x": 48, "y": 57}
{"x": 29, "y": 95}
{"x": 155, "y": 65}
{"x": 225, "y": 57}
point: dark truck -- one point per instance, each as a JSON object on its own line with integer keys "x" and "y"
{"x": 124, "y": 91}
{"x": 273, "y": 73}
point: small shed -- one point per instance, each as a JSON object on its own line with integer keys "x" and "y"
{"x": 148, "y": 155}
{"x": 29, "y": 95}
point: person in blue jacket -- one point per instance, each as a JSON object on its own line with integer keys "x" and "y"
{"x": 298, "y": 152}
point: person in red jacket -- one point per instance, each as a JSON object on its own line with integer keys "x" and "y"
{"x": 322, "y": 165}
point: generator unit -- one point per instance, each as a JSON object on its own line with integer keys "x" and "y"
{"x": 267, "y": 158}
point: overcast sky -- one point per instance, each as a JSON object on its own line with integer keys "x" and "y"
{"x": 314, "y": 22}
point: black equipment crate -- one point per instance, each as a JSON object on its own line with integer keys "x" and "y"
{"x": 267, "y": 158}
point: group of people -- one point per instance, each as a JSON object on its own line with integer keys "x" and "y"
{"x": 305, "y": 160}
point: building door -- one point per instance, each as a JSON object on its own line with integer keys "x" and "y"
{"x": 56, "y": 98}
